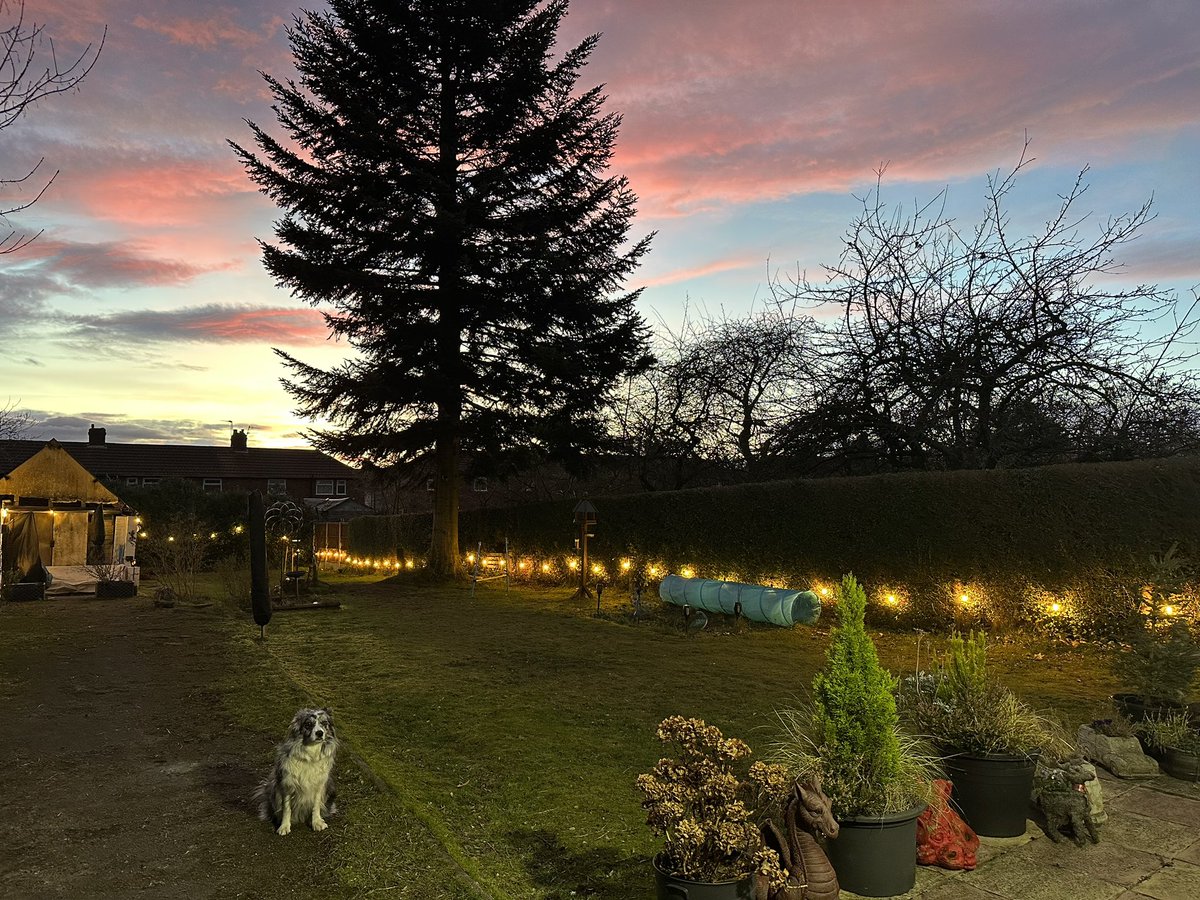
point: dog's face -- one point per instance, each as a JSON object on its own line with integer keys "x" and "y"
{"x": 313, "y": 726}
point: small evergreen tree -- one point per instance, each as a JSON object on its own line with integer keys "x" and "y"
{"x": 447, "y": 206}
{"x": 855, "y": 712}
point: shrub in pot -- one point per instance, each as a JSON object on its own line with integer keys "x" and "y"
{"x": 989, "y": 739}
{"x": 708, "y": 813}
{"x": 878, "y": 780}
{"x": 112, "y": 580}
{"x": 1160, "y": 657}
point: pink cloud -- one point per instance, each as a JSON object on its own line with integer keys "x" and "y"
{"x": 207, "y": 33}
{"x": 73, "y": 266}
{"x": 747, "y": 102}
{"x": 166, "y": 192}
{"x": 212, "y": 323}
{"x": 732, "y": 264}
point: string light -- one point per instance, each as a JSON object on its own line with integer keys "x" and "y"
{"x": 687, "y": 572}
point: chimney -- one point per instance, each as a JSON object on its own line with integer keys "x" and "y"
{"x": 96, "y": 436}
{"x": 237, "y": 440}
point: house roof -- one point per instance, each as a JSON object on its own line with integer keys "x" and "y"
{"x": 184, "y": 461}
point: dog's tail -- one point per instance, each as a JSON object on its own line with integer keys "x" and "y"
{"x": 262, "y": 799}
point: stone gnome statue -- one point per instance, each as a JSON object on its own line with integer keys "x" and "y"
{"x": 806, "y": 814}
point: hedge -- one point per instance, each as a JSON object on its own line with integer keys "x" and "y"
{"x": 1067, "y": 529}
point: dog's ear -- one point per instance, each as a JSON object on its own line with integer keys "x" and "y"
{"x": 327, "y": 711}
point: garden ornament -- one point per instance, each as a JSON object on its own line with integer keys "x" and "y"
{"x": 1061, "y": 792}
{"x": 806, "y": 815}
{"x": 943, "y": 838}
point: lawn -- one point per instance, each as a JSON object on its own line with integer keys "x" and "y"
{"x": 513, "y": 724}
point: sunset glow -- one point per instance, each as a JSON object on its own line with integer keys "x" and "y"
{"x": 747, "y": 127}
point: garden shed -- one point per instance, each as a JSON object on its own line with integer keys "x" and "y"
{"x": 61, "y": 525}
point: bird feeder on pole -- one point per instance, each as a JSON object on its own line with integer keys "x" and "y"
{"x": 585, "y": 521}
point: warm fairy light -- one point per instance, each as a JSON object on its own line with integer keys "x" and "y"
{"x": 408, "y": 564}
{"x": 824, "y": 592}
{"x": 470, "y": 557}
{"x": 545, "y": 567}
{"x": 573, "y": 564}
{"x": 1056, "y": 607}
{"x": 1168, "y": 610}
{"x": 212, "y": 535}
{"x": 687, "y": 572}
{"x": 964, "y": 599}
{"x": 143, "y": 534}
{"x": 523, "y": 565}
{"x": 238, "y": 529}
{"x": 625, "y": 565}
{"x": 654, "y": 570}
{"x": 597, "y": 569}
{"x": 891, "y": 599}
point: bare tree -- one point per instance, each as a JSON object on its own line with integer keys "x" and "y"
{"x": 14, "y": 424}
{"x": 720, "y": 396}
{"x": 31, "y": 71}
{"x": 977, "y": 349}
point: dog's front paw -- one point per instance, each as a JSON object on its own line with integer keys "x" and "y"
{"x": 319, "y": 824}
{"x": 285, "y": 828}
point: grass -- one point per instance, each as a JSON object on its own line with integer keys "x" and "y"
{"x": 506, "y": 729}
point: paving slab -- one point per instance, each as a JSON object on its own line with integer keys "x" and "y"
{"x": 1180, "y": 881}
{"x": 1149, "y": 833}
{"x": 1170, "y": 807}
{"x": 1192, "y": 853}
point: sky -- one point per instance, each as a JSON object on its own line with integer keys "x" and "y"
{"x": 748, "y": 130}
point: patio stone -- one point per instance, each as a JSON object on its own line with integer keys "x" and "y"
{"x": 956, "y": 890}
{"x": 1170, "y": 807}
{"x": 1147, "y": 833}
{"x": 1106, "y": 861}
{"x": 1173, "y": 882}
{"x": 1191, "y": 854}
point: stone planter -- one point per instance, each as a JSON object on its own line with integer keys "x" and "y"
{"x": 876, "y": 856}
{"x": 1123, "y": 756}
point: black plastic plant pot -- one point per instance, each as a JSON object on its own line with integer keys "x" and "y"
{"x": 1137, "y": 708}
{"x": 991, "y": 791}
{"x": 1180, "y": 764}
{"x": 673, "y": 887}
{"x": 876, "y": 856}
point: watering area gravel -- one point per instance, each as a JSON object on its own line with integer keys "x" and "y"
{"x": 123, "y": 775}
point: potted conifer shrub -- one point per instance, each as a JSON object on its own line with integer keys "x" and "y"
{"x": 989, "y": 739}
{"x": 1160, "y": 658}
{"x": 878, "y": 780}
{"x": 707, "y": 807}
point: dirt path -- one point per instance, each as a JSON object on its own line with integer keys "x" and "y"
{"x": 120, "y": 776}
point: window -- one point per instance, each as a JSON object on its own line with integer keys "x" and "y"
{"x": 212, "y": 484}
{"x": 131, "y": 480}
{"x": 325, "y": 488}
{"x": 480, "y": 485}
{"x": 429, "y": 484}
{"x": 341, "y": 487}
{"x": 276, "y": 486}
{"x": 149, "y": 482}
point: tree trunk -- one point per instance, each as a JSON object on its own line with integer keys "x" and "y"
{"x": 443, "y": 554}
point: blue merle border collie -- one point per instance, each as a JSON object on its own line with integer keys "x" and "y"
{"x": 300, "y": 787}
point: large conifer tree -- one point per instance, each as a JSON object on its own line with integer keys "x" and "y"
{"x": 446, "y": 203}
